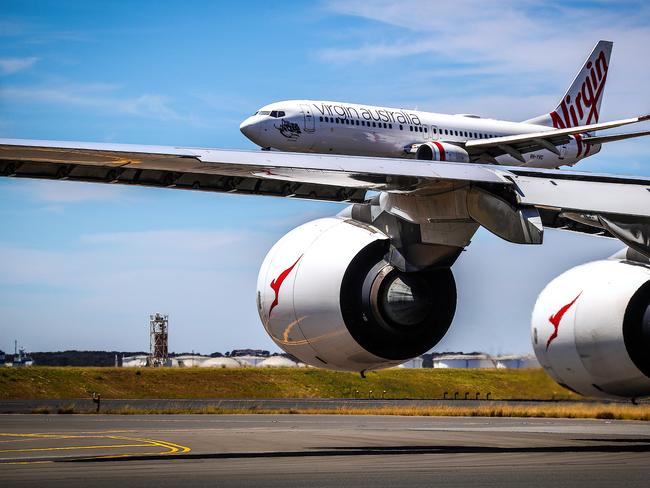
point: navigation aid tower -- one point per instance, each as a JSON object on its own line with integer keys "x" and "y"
{"x": 158, "y": 340}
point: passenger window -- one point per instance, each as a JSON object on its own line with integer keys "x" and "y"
{"x": 411, "y": 128}
{"x": 446, "y": 133}
{"x": 374, "y": 125}
{"x": 401, "y": 127}
{"x": 337, "y": 120}
{"x": 321, "y": 119}
{"x": 357, "y": 122}
{"x": 385, "y": 125}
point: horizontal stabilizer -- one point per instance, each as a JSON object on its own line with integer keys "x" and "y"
{"x": 615, "y": 137}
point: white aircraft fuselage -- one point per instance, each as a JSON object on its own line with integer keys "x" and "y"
{"x": 324, "y": 127}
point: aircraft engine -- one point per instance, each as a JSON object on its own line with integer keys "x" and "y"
{"x": 326, "y": 295}
{"x": 442, "y": 151}
{"x": 591, "y": 329}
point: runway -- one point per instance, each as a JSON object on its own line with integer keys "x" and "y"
{"x": 319, "y": 451}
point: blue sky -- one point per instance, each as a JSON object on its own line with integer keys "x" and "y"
{"x": 82, "y": 266}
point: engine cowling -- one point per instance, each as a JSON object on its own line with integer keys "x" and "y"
{"x": 591, "y": 329}
{"x": 441, "y": 151}
{"x": 326, "y": 295}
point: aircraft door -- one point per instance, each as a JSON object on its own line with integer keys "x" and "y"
{"x": 309, "y": 122}
{"x": 434, "y": 133}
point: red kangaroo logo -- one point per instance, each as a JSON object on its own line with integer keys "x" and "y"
{"x": 557, "y": 318}
{"x": 276, "y": 284}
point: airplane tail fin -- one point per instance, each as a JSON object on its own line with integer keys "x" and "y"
{"x": 580, "y": 105}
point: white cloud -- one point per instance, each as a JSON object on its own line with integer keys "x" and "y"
{"x": 9, "y": 66}
{"x": 534, "y": 48}
{"x": 174, "y": 240}
{"x": 104, "y": 97}
{"x": 94, "y": 96}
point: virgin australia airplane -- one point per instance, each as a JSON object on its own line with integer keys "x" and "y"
{"x": 373, "y": 286}
{"x": 562, "y": 137}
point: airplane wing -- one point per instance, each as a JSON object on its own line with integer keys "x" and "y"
{"x": 516, "y": 145}
{"x": 582, "y": 202}
{"x": 322, "y": 177}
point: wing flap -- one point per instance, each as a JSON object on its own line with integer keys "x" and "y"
{"x": 585, "y": 196}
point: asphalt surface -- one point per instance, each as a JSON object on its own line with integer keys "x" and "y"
{"x": 320, "y": 450}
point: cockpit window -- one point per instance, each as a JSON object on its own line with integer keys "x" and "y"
{"x": 263, "y": 112}
{"x": 277, "y": 113}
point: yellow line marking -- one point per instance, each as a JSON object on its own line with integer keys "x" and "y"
{"x": 69, "y": 448}
{"x": 171, "y": 448}
{"x": 27, "y": 462}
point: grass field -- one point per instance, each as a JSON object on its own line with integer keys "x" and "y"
{"x": 70, "y": 382}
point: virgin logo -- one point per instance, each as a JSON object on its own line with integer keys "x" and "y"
{"x": 586, "y": 100}
{"x": 276, "y": 284}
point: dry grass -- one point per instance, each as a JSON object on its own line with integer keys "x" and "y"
{"x": 72, "y": 382}
{"x": 573, "y": 411}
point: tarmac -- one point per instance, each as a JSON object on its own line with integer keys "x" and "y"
{"x": 320, "y": 450}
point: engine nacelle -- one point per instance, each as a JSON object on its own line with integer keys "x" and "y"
{"x": 326, "y": 295}
{"x": 591, "y": 329}
{"x": 442, "y": 151}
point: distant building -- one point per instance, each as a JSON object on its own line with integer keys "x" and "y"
{"x": 516, "y": 362}
{"x": 249, "y": 352}
{"x": 464, "y": 361}
{"x": 221, "y": 362}
{"x": 190, "y": 360}
{"x": 278, "y": 362}
{"x": 20, "y": 359}
{"x": 135, "y": 361}
{"x": 412, "y": 363}
{"x": 249, "y": 360}
{"x": 484, "y": 361}
{"x": 2, "y": 358}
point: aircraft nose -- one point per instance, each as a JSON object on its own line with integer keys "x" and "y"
{"x": 250, "y": 128}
